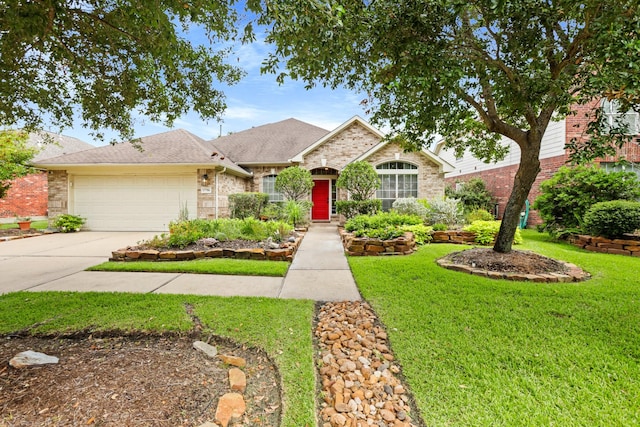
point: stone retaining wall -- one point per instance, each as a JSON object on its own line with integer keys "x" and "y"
{"x": 453, "y": 236}
{"x": 629, "y": 245}
{"x": 364, "y": 246}
{"x": 282, "y": 254}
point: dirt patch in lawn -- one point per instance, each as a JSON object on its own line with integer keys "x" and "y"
{"x": 142, "y": 380}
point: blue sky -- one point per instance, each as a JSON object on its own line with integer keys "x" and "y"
{"x": 258, "y": 99}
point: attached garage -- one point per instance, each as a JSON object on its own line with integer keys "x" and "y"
{"x": 132, "y": 203}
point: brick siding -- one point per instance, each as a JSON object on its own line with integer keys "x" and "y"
{"x": 58, "y": 193}
{"x": 27, "y": 197}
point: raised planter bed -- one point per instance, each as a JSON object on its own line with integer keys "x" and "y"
{"x": 629, "y": 245}
{"x": 363, "y": 246}
{"x": 284, "y": 253}
{"x": 453, "y": 236}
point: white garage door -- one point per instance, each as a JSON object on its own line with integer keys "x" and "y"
{"x": 133, "y": 203}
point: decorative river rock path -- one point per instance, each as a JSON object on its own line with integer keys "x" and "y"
{"x": 358, "y": 375}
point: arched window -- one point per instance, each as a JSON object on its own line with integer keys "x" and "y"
{"x": 397, "y": 180}
{"x": 269, "y": 187}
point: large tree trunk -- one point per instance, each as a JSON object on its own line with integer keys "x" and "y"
{"x": 525, "y": 177}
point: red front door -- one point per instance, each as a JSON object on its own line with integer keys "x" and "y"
{"x": 320, "y": 196}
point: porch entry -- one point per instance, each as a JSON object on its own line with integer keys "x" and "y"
{"x": 321, "y": 198}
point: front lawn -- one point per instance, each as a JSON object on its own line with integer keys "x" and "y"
{"x": 236, "y": 267}
{"x": 476, "y": 351}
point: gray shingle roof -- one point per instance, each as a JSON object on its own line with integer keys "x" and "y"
{"x": 271, "y": 143}
{"x": 53, "y": 144}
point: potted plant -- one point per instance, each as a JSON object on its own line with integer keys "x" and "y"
{"x": 24, "y": 223}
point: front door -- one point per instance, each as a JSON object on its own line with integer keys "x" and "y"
{"x": 321, "y": 196}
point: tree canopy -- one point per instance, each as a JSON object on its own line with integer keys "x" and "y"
{"x": 110, "y": 62}
{"x": 15, "y": 156}
{"x": 472, "y": 71}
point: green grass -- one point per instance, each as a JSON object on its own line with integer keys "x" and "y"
{"x": 281, "y": 327}
{"x": 479, "y": 352}
{"x": 242, "y": 267}
{"x": 39, "y": 225}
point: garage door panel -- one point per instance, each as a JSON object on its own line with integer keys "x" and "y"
{"x": 140, "y": 203}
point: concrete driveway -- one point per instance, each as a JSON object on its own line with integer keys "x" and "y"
{"x": 29, "y": 263}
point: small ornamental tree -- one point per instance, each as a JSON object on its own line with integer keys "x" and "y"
{"x": 360, "y": 179}
{"x": 15, "y": 156}
{"x": 473, "y": 194}
{"x": 295, "y": 183}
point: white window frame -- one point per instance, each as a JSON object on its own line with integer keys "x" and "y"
{"x": 612, "y": 115}
{"x": 269, "y": 187}
{"x": 397, "y": 192}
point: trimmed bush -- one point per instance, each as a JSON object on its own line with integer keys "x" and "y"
{"x": 613, "y": 219}
{"x": 353, "y": 208}
{"x": 473, "y": 194}
{"x": 244, "y": 205}
{"x": 68, "y": 223}
{"x": 486, "y": 232}
{"x": 295, "y": 183}
{"x": 447, "y": 211}
{"x": 478, "y": 215}
{"x": 409, "y": 206}
{"x": 360, "y": 179}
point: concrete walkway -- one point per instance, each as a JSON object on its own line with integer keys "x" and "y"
{"x": 319, "y": 271}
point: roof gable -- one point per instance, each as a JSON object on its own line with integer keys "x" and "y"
{"x": 443, "y": 165}
{"x": 52, "y": 144}
{"x": 299, "y": 157}
{"x": 273, "y": 143}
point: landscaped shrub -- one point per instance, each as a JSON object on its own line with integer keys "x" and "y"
{"x": 486, "y": 232}
{"x": 295, "y": 183}
{"x": 409, "y": 206}
{"x": 478, "y": 215}
{"x": 274, "y": 211}
{"x": 447, "y": 211}
{"x": 244, "y": 205}
{"x": 360, "y": 179}
{"x": 566, "y": 197}
{"x": 296, "y": 213}
{"x": 612, "y": 219}
{"x": 68, "y": 223}
{"x": 421, "y": 233}
{"x": 439, "y": 226}
{"x": 353, "y": 208}
{"x": 473, "y": 194}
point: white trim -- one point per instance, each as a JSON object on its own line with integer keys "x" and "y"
{"x": 299, "y": 158}
{"x": 443, "y": 165}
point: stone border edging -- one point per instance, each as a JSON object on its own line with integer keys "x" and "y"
{"x": 629, "y": 245}
{"x": 573, "y": 274}
{"x": 364, "y": 246}
{"x": 282, "y": 254}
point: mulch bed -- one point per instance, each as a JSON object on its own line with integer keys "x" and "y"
{"x": 142, "y": 380}
{"x": 523, "y": 262}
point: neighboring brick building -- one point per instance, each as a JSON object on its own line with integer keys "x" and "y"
{"x": 27, "y": 196}
{"x": 499, "y": 176}
{"x": 121, "y": 188}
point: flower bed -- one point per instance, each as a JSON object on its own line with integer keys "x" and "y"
{"x": 285, "y": 252}
{"x": 629, "y": 245}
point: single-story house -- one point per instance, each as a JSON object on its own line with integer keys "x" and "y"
{"x": 27, "y": 196}
{"x": 121, "y": 187}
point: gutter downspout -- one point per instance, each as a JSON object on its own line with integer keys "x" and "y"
{"x": 216, "y": 185}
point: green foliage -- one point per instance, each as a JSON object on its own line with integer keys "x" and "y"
{"x": 421, "y": 233}
{"x": 478, "y": 215}
{"x": 184, "y": 233}
{"x": 352, "y": 208}
{"x": 360, "y": 179}
{"x": 473, "y": 195}
{"x": 486, "y": 232}
{"x": 388, "y": 225}
{"x": 295, "y": 183}
{"x": 613, "y": 219}
{"x": 244, "y": 205}
{"x": 409, "y": 206}
{"x": 439, "y": 226}
{"x": 113, "y": 61}
{"x": 297, "y": 212}
{"x": 68, "y": 223}
{"x": 566, "y": 197}
{"x": 446, "y": 211}
{"x": 15, "y": 156}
